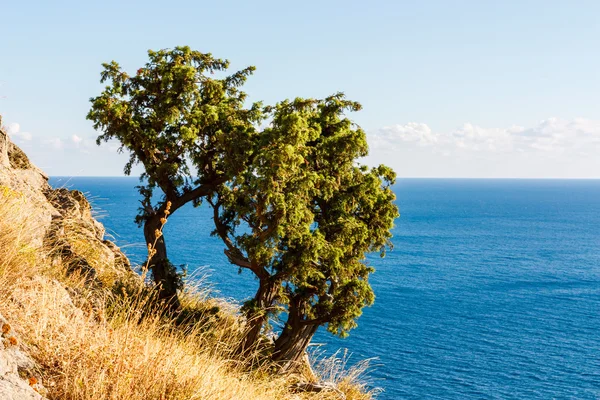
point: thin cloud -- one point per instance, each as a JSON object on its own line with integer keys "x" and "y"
{"x": 413, "y": 132}
{"x": 14, "y": 131}
{"x": 56, "y": 143}
{"x": 552, "y": 135}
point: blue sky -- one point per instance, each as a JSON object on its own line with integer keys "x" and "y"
{"x": 449, "y": 88}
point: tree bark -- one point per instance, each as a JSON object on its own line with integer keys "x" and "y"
{"x": 291, "y": 345}
{"x": 263, "y": 301}
{"x": 163, "y": 272}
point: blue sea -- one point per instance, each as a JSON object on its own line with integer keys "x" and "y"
{"x": 492, "y": 290}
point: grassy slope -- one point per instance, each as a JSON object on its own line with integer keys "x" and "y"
{"x": 92, "y": 343}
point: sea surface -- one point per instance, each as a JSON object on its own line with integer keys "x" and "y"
{"x": 492, "y": 290}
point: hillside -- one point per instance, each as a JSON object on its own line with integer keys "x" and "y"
{"x": 78, "y": 322}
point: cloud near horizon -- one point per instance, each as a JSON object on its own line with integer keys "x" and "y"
{"x": 552, "y": 148}
{"x": 579, "y": 136}
{"x": 14, "y": 131}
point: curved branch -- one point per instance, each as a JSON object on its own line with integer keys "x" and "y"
{"x": 233, "y": 253}
{"x": 200, "y": 191}
{"x": 236, "y": 257}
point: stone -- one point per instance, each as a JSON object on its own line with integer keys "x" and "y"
{"x": 60, "y": 223}
{"x": 13, "y": 364}
{"x": 59, "y": 219}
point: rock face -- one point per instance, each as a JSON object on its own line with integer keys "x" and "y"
{"x": 19, "y": 176}
{"x": 62, "y": 218}
{"x": 17, "y": 380}
{"x": 62, "y": 227}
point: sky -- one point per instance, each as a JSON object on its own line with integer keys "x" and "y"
{"x": 461, "y": 89}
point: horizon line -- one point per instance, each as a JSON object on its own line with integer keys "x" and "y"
{"x": 399, "y": 177}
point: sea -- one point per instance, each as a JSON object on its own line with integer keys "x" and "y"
{"x": 492, "y": 289}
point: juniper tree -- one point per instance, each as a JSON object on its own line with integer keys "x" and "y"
{"x": 302, "y": 219}
{"x": 188, "y": 129}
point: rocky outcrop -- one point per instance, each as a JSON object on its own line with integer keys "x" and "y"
{"x": 61, "y": 219}
{"x": 17, "y": 370}
{"x": 61, "y": 226}
{"x": 18, "y": 177}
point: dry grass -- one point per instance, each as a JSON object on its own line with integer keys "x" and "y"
{"x": 105, "y": 344}
{"x": 353, "y": 380}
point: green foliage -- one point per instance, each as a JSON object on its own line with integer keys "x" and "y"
{"x": 186, "y": 127}
{"x": 189, "y": 130}
{"x": 290, "y": 202}
{"x": 305, "y": 214}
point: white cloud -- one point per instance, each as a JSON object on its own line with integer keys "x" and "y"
{"x": 553, "y": 135}
{"x": 579, "y": 135}
{"x": 14, "y": 131}
{"x": 76, "y": 139}
{"x": 13, "y": 128}
{"x": 56, "y": 143}
{"x": 415, "y": 132}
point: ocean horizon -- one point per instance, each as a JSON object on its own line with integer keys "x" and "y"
{"x": 492, "y": 290}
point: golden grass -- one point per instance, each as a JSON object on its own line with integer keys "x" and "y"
{"x": 352, "y": 380}
{"x": 97, "y": 344}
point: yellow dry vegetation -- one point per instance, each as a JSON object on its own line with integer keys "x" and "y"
{"x": 103, "y": 343}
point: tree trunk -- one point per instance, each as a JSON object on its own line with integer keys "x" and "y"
{"x": 163, "y": 272}
{"x": 259, "y": 315}
{"x": 291, "y": 345}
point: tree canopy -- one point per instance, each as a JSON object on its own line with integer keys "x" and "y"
{"x": 290, "y": 201}
{"x": 302, "y": 219}
{"x": 190, "y": 130}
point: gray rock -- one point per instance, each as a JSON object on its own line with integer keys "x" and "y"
{"x": 58, "y": 219}
{"x": 13, "y": 364}
{"x": 60, "y": 223}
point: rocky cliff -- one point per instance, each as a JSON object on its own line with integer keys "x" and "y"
{"x": 75, "y": 320}
{"x": 62, "y": 218}
{"x": 64, "y": 231}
